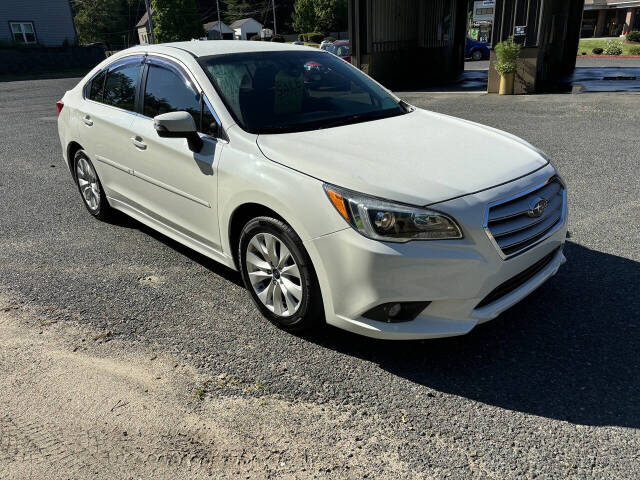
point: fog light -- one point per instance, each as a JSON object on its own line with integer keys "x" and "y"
{"x": 394, "y": 310}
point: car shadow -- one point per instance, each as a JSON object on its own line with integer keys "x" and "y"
{"x": 122, "y": 220}
{"x": 570, "y": 351}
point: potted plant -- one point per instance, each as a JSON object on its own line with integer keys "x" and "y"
{"x": 507, "y": 53}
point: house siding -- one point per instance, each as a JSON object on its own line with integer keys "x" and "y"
{"x": 52, "y": 20}
{"x": 247, "y": 29}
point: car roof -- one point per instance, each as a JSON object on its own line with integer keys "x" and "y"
{"x": 203, "y": 48}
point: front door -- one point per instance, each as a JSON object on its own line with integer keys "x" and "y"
{"x": 176, "y": 185}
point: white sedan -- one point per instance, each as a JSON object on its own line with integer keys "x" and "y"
{"x": 335, "y": 200}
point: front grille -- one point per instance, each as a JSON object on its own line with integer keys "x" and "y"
{"x": 515, "y": 282}
{"x": 513, "y": 223}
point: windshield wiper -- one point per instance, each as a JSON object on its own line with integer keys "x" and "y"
{"x": 359, "y": 118}
{"x": 330, "y": 123}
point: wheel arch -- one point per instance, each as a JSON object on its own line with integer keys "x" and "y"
{"x": 72, "y": 149}
{"x": 239, "y": 218}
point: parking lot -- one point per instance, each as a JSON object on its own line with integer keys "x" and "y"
{"x": 548, "y": 390}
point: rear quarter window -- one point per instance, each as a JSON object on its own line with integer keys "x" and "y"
{"x": 96, "y": 87}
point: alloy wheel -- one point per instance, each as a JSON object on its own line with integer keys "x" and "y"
{"x": 274, "y": 274}
{"x": 88, "y": 183}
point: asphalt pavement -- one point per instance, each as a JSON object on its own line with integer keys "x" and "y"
{"x": 548, "y": 390}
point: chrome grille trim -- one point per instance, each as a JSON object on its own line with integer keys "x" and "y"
{"x": 512, "y": 231}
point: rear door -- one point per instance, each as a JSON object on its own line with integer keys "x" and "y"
{"x": 107, "y": 114}
{"x": 174, "y": 184}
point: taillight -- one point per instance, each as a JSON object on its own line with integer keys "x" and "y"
{"x": 59, "y": 106}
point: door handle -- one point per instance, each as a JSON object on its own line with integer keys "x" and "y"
{"x": 137, "y": 141}
{"x": 87, "y": 120}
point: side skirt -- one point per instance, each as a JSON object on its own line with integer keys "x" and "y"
{"x": 172, "y": 233}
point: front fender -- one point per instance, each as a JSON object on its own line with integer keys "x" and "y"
{"x": 245, "y": 176}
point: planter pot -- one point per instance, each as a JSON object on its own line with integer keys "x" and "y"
{"x": 506, "y": 84}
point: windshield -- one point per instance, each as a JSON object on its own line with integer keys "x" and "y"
{"x": 280, "y": 92}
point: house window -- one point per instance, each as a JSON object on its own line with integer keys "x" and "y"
{"x": 23, "y": 32}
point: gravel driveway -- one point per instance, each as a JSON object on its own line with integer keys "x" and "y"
{"x": 550, "y": 389}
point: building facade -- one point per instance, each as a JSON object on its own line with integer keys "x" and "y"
{"x": 218, "y": 31}
{"x": 610, "y": 18}
{"x": 482, "y": 20}
{"x": 548, "y": 31}
{"x": 246, "y": 28}
{"x": 48, "y": 23}
{"x": 408, "y": 43}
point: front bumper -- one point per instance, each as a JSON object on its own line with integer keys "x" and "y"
{"x": 357, "y": 274}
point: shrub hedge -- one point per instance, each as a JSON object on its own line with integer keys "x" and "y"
{"x": 633, "y": 36}
{"x": 613, "y": 47}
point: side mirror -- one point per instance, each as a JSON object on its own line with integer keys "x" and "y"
{"x": 178, "y": 125}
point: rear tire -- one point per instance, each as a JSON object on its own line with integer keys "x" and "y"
{"x": 278, "y": 274}
{"x": 90, "y": 188}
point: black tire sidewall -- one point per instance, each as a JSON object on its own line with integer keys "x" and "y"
{"x": 477, "y": 55}
{"x": 103, "y": 209}
{"x": 309, "y": 312}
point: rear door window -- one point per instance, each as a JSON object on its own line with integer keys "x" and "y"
{"x": 120, "y": 86}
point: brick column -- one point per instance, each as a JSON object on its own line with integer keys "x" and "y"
{"x": 628, "y": 23}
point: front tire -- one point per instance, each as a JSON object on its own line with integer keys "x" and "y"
{"x": 89, "y": 186}
{"x": 278, "y": 274}
{"x": 477, "y": 55}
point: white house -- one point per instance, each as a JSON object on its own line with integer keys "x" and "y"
{"x": 218, "y": 31}
{"x": 246, "y": 28}
{"x": 144, "y": 35}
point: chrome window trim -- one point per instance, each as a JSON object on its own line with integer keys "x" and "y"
{"x": 559, "y": 224}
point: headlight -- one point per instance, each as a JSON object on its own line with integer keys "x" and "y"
{"x": 389, "y": 221}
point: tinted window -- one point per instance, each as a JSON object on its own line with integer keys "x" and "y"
{"x": 167, "y": 91}
{"x": 120, "y": 87}
{"x": 96, "y": 87}
{"x": 277, "y": 92}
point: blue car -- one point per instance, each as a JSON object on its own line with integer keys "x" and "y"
{"x": 476, "y": 50}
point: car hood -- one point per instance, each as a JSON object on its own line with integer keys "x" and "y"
{"x": 419, "y": 158}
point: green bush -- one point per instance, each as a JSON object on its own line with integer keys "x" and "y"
{"x": 277, "y": 38}
{"x": 633, "y": 36}
{"x": 597, "y": 51}
{"x": 507, "y": 54}
{"x": 301, "y": 37}
{"x": 256, "y": 38}
{"x": 613, "y": 47}
{"x": 315, "y": 37}
{"x": 329, "y": 39}
{"x": 635, "y": 50}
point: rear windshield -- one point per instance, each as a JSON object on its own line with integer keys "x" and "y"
{"x": 279, "y": 92}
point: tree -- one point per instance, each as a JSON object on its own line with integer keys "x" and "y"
{"x": 176, "y": 20}
{"x": 304, "y": 16}
{"x": 238, "y": 9}
{"x": 331, "y": 15}
{"x": 320, "y": 16}
{"x": 100, "y": 20}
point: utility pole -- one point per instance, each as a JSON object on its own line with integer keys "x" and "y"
{"x": 219, "y": 23}
{"x": 153, "y": 40}
{"x": 273, "y": 2}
